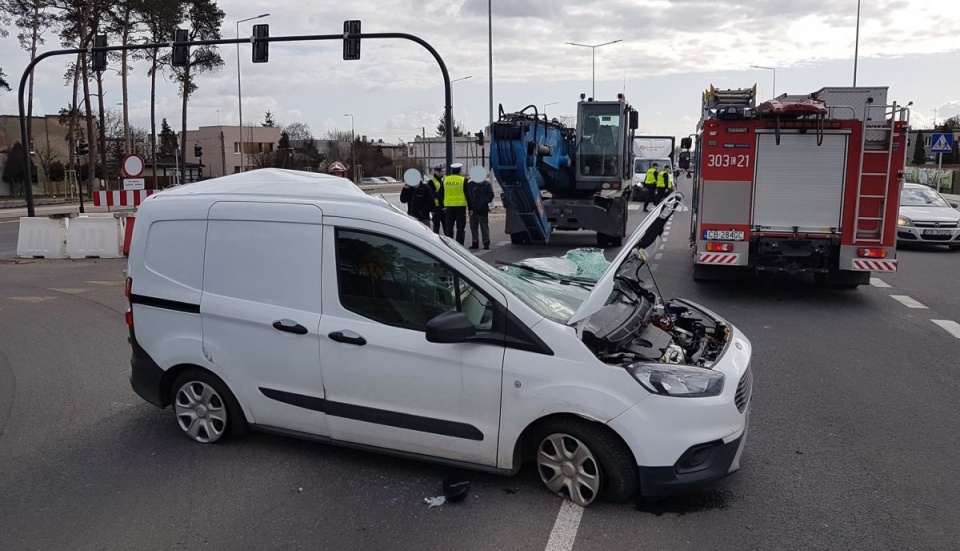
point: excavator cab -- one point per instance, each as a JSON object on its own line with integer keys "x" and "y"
{"x": 603, "y": 160}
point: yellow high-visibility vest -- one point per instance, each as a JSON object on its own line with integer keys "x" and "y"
{"x": 662, "y": 179}
{"x": 453, "y": 195}
{"x": 651, "y": 177}
{"x": 436, "y": 190}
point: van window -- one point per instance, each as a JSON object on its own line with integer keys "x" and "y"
{"x": 174, "y": 251}
{"x": 391, "y": 282}
{"x": 274, "y": 263}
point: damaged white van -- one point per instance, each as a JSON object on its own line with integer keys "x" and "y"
{"x": 294, "y": 303}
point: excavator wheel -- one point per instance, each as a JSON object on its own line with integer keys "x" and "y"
{"x": 519, "y": 238}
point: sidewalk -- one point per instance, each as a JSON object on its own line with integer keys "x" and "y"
{"x": 952, "y": 199}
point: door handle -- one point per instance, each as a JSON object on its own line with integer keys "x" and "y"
{"x": 289, "y": 326}
{"x": 348, "y": 337}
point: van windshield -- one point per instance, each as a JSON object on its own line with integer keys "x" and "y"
{"x": 549, "y": 296}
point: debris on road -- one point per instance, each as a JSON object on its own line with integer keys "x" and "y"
{"x": 434, "y": 501}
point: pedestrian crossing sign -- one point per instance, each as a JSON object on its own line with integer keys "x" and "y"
{"x": 941, "y": 143}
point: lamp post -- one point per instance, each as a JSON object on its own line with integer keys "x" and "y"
{"x": 490, "y": 53}
{"x": 936, "y": 111}
{"x": 774, "y": 76}
{"x": 452, "y": 82}
{"x": 593, "y": 48}
{"x": 353, "y": 145}
{"x": 239, "y": 93}
{"x": 856, "y": 46}
{"x": 545, "y": 107}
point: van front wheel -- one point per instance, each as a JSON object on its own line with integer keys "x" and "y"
{"x": 204, "y": 407}
{"x": 578, "y": 460}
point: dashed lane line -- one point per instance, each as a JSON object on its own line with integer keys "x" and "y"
{"x": 907, "y": 301}
{"x": 658, "y": 256}
{"x": 564, "y": 532}
{"x": 106, "y": 283}
{"x": 32, "y": 300}
{"x": 877, "y": 282}
{"x": 949, "y": 326}
{"x": 70, "y": 290}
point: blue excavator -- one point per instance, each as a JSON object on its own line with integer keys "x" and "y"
{"x": 558, "y": 178}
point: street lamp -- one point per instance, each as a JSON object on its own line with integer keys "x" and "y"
{"x": 544, "y": 110}
{"x": 239, "y": 94}
{"x": 856, "y": 47}
{"x": 452, "y": 83}
{"x": 353, "y": 145}
{"x": 774, "y": 76}
{"x": 593, "y": 48}
{"x": 936, "y": 111}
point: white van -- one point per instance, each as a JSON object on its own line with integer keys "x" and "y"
{"x": 293, "y": 302}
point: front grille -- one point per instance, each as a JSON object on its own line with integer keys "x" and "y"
{"x": 945, "y": 225}
{"x": 744, "y": 390}
{"x": 937, "y": 237}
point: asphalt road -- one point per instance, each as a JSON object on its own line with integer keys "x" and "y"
{"x": 853, "y": 443}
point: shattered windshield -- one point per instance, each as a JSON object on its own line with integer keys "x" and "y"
{"x": 554, "y": 286}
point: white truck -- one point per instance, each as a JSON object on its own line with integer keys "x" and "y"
{"x": 648, "y": 150}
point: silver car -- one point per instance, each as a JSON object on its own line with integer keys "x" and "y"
{"x": 926, "y": 217}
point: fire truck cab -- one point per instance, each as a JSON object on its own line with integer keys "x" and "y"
{"x": 798, "y": 184}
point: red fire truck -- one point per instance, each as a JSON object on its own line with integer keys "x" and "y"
{"x": 798, "y": 184}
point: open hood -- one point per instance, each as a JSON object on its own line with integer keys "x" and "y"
{"x": 644, "y": 236}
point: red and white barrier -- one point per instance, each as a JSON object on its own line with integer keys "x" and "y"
{"x": 121, "y": 198}
{"x": 875, "y": 265}
{"x": 712, "y": 258}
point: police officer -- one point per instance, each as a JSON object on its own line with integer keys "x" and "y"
{"x": 650, "y": 187}
{"x": 439, "y": 217}
{"x": 454, "y": 202}
{"x": 664, "y": 184}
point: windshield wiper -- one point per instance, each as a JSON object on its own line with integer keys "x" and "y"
{"x": 562, "y": 279}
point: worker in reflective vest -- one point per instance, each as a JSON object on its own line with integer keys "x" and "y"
{"x": 454, "y": 202}
{"x": 650, "y": 187}
{"x": 439, "y": 217}
{"x": 663, "y": 185}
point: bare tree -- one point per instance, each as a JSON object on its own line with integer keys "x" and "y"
{"x": 46, "y": 156}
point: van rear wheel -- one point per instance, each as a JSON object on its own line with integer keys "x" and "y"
{"x": 582, "y": 462}
{"x": 205, "y": 408}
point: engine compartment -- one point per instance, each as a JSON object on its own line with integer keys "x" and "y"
{"x": 638, "y": 328}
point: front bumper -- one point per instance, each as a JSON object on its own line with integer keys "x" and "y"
{"x": 913, "y": 234}
{"x": 700, "y": 465}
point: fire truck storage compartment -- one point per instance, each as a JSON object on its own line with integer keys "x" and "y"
{"x": 799, "y": 184}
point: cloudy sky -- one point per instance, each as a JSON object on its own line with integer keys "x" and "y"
{"x": 671, "y": 51}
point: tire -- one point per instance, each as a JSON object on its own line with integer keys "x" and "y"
{"x": 519, "y": 238}
{"x": 702, "y": 273}
{"x": 204, "y": 407}
{"x": 607, "y": 469}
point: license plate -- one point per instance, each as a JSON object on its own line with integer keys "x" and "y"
{"x": 723, "y": 235}
{"x": 937, "y": 232}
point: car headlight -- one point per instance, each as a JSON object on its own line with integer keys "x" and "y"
{"x": 904, "y": 221}
{"x": 677, "y": 380}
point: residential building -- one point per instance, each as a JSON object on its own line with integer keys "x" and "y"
{"x": 222, "y": 153}
{"x": 49, "y": 142}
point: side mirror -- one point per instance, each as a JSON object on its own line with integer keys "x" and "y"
{"x": 686, "y": 143}
{"x": 634, "y": 120}
{"x": 450, "y": 327}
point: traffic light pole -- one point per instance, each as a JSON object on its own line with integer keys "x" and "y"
{"x": 24, "y": 115}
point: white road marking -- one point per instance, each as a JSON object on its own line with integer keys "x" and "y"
{"x": 666, "y": 233}
{"x": 907, "y": 301}
{"x": 661, "y": 247}
{"x": 658, "y": 256}
{"x": 654, "y": 266}
{"x": 877, "y": 282}
{"x": 564, "y": 531}
{"x": 949, "y": 326}
{"x": 634, "y": 206}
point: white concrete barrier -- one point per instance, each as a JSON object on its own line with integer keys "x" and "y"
{"x": 42, "y": 237}
{"x": 95, "y": 237}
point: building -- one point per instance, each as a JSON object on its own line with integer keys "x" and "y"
{"x": 221, "y": 150}
{"x": 49, "y": 144}
{"x": 428, "y": 152}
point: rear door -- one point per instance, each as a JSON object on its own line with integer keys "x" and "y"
{"x": 260, "y": 308}
{"x": 798, "y": 183}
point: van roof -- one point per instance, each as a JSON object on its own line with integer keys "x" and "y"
{"x": 276, "y": 182}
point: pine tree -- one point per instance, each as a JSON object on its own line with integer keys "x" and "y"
{"x": 268, "y": 120}
{"x": 919, "y": 155}
{"x": 168, "y": 140}
{"x": 442, "y": 127}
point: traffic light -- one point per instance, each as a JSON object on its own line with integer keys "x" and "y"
{"x": 480, "y": 138}
{"x": 197, "y": 151}
{"x": 181, "y": 54}
{"x": 82, "y": 149}
{"x": 351, "y": 44}
{"x": 99, "y": 62}
{"x": 261, "y": 48}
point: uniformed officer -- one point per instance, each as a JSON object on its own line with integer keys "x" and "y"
{"x": 650, "y": 187}
{"x": 454, "y": 202}
{"x": 664, "y": 184}
{"x": 439, "y": 217}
